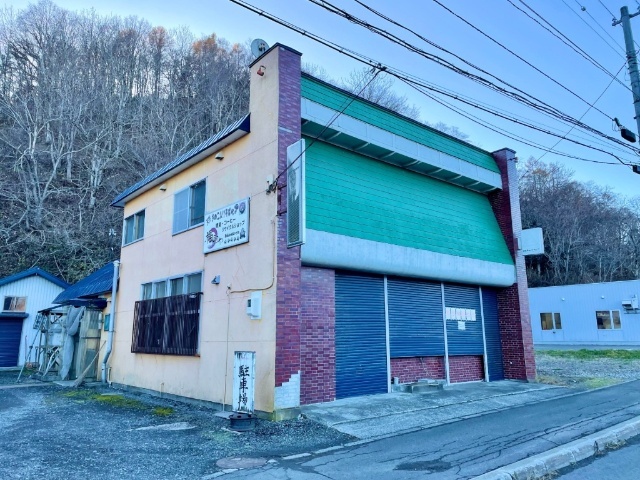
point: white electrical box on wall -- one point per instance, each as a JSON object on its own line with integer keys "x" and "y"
{"x": 254, "y": 306}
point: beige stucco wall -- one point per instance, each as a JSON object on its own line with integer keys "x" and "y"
{"x": 224, "y": 325}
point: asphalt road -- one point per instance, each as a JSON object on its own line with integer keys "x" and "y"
{"x": 623, "y": 463}
{"x": 470, "y": 447}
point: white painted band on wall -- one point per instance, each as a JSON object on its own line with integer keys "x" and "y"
{"x": 330, "y": 250}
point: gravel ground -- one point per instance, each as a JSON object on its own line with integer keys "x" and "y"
{"x": 592, "y": 372}
{"x": 57, "y": 433}
{"x": 99, "y": 433}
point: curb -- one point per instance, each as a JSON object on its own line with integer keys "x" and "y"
{"x": 545, "y": 463}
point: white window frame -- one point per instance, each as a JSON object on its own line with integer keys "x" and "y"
{"x": 180, "y": 223}
{"x": 138, "y": 233}
{"x": 167, "y": 283}
{"x": 611, "y": 322}
{"x": 17, "y": 303}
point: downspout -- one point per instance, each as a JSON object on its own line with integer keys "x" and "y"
{"x": 112, "y": 317}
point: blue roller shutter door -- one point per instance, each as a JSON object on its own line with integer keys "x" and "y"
{"x": 10, "y": 332}
{"x": 468, "y": 341}
{"x": 415, "y": 318}
{"x": 361, "y": 348}
{"x": 492, "y": 334}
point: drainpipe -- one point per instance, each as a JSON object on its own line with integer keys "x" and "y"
{"x": 112, "y": 316}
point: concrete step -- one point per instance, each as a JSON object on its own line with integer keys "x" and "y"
{"x": 421, "y": 386}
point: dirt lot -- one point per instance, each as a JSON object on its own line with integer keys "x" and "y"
{"x": 50, "y": 432}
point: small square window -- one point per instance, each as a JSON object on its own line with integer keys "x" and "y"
{"x": 550, "y": 321}
{"x": 608, "y": 320}
{"x": 133, "y": 228}
{"x": 15, "y": 304}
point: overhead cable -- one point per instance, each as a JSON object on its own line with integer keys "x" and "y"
{"x": 519, "y": 95}
{"x": 518, "y": 57}
{"x": 560, "y": 36}
{"x": 392, "y": 71}
{"x": 584, "y": 9}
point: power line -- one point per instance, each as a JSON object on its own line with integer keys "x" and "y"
{"x": 560, "y": 36}
{"x": 374, "y": 74}
{"x": 513, "y": 136}
{"x": 607, "y": 9}
{"x": 392, "y": 71}
{"x": 541, "y": 106}
{"x": 584, "y": 9}
{"x": 518, "y": 57}
{"x": 587, "y": 111}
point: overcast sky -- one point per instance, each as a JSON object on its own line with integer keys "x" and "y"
{"x": 588, "y": 29}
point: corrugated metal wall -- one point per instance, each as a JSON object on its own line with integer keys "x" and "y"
{"x": 360, "y": 332}
{"x": 416, "y": 327}
{"x": 468, "y": 341}
{"x": 492, "y": 334}
{"x": 577, "y": 306}
{"x": 415, "y": 318}
{"x": 40, "y": 293}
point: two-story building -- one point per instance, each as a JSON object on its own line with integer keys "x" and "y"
{"x": 316, "y": 249}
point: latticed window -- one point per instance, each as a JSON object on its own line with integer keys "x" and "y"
{"x": 167, "y": 326}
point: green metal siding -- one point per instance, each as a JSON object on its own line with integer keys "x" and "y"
{"x": 336, "y": 99}
{"x": 351, "y": 195}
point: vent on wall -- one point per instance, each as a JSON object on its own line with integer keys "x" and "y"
{"x": 631, "y": 305}
{"x": 295, "y": 194}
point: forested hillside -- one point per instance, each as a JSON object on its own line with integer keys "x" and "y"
{"x": 91, "y": 104}
{"x": 88, "y": 105}
{"x": 591, "y": 234}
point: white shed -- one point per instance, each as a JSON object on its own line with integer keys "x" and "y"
{"x": 600, "y": 314}
{"x": 22, "y": 296}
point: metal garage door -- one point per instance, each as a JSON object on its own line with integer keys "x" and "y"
{"x": 10, "y": 332}
{"x": 361, "y": 345}
{"x": 415, "y": 318}
{"x": 492, "y": 334}
{"x": 464, "y": 338}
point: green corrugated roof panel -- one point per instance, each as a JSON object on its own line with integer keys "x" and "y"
{"x": 348, "y": 194}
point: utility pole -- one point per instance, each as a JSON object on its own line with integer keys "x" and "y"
{"x": 632, "y": 60}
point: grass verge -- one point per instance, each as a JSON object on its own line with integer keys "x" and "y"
{"x": 577, "y": 382}
{"x": 584, "y": 354}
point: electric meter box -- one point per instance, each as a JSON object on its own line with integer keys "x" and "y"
{"x": 254, "y": 306}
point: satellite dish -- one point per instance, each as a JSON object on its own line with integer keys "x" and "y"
{"x": 258, "y": 47}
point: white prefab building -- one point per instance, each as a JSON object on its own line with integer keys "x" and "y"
{"x": 23, "y": 295}
{"x": 603, "y": 314}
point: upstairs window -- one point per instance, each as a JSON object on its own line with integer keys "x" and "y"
{"x": 188, "y": 207}
{"x": 608, "y": 319}
{"x": 14, "y": 304}
{"x": 550, "y": 321}
{"x": 133, "y": 228}
{"x": 184, "y": 285}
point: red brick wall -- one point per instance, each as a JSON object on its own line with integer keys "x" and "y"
{"x": 317, "y": 336}
{"x": 288, "y": 259}
{"x": 466, "y": 368}
{"x": 413, "y": 369}
{"x": 513, "y": 302}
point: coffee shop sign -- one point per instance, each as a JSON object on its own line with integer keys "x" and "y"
{"x": 227, "y": 226}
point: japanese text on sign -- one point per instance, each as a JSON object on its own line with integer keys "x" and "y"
{"x": 226, "y": 227}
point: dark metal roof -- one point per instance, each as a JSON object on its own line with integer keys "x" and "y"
{"x": 221, "y": 139}
{"x": 87, "y": 289}
{"x": 33, "y": 271}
